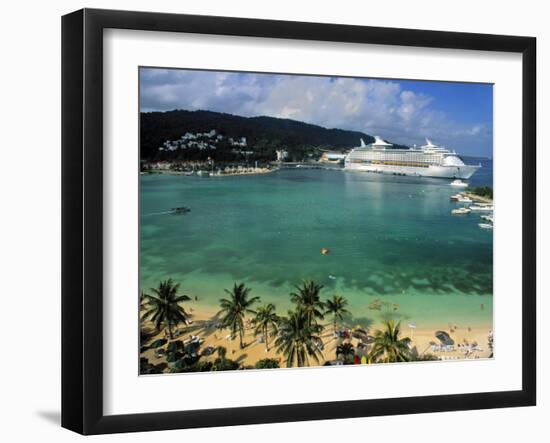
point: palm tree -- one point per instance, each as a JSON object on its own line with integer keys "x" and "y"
{"x": 164, "y": 306}
{"x": 388, "y": 347}
{"x": 298, "y": 339}
{"x": 266, "y": 320}
{"x": 308, "y": 300}
{"x": 337, "y": 307}
{"x": 235, "y": 308}
{"x": 346, "y": 351}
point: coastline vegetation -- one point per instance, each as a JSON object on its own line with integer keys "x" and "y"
{"x": 296, "y": 337}
{"x": 263, "y": 135}
{"x": 482, "y": 191}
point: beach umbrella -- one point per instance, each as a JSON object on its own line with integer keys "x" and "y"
{"x": 209, "y": 350}
{"x": 158, "y": 343}
{"x": 180, "y": 364}
{"x": 173, "y": 357}
{"x": 161, "y": 367}
{"x": 175, "y": 346}
{"x": 444, "y": 338}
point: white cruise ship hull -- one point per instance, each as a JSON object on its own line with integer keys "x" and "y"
{"x": 462, "y": 171}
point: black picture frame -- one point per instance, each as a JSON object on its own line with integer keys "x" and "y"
{"x": 82, "y": 218}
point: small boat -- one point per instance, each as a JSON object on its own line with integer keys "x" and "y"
{"x": 180, "y": 210}
{"x": 459, "y": 183}
{"x": 485, "y": 226}
{"x": 461, "y": 211}
{"x": 332, "y": 277}
{"x": 482, "y": 207}
{"x": 464, "y": 199}
{"x": 488, "y": 218}
{"x": 454, "y": 198}
{"x": 325, "y": 251}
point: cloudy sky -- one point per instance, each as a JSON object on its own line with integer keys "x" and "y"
{"x": 456, "y": 115}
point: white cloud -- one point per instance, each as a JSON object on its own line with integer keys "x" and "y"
{"x": 378, "y": 107}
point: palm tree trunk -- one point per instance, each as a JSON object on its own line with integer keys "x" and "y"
{"x": 170, "y": 330}
{"x": 266, "y": 338}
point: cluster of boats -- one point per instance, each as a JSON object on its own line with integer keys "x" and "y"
{"x": 485, "y": 209}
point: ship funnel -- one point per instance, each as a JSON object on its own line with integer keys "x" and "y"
{"x": 379, "y": 141}
{"x": 363, "y": 145}
{"x": 429, "y": 142}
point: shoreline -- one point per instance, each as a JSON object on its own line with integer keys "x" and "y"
{"x": 204, "y": 325}
{"x": 218, "y": 173}
{"x": 477, "y": 198}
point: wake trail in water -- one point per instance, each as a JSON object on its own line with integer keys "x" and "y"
{"x": 157, "y": 213}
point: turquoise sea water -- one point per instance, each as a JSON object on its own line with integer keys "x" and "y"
{"x": 391, "y": 238}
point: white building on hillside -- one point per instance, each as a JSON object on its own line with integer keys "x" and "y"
{"x": 282, "y": 155}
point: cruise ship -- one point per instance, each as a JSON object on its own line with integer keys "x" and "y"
{"x": 429, "y": 160}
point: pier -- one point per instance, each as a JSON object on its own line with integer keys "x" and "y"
{"x": 307, "y": 165}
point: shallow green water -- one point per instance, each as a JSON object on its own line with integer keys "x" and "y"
{"x": 392, "y": 238}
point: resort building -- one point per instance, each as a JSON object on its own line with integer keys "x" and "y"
{"x": 282, "y": 155}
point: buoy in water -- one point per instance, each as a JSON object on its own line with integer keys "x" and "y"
{"x": 325, "y": 251}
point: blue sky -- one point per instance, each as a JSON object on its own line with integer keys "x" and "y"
{"x": 456, "y": 115}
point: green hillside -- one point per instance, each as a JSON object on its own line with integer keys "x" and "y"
{"x": 220, "y": 137}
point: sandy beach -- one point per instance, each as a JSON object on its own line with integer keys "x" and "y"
{"x": 477, "y": 198}
{"x": 204, "y": 325}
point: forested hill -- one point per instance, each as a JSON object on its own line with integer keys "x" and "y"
{"x": 226, "y": 137}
